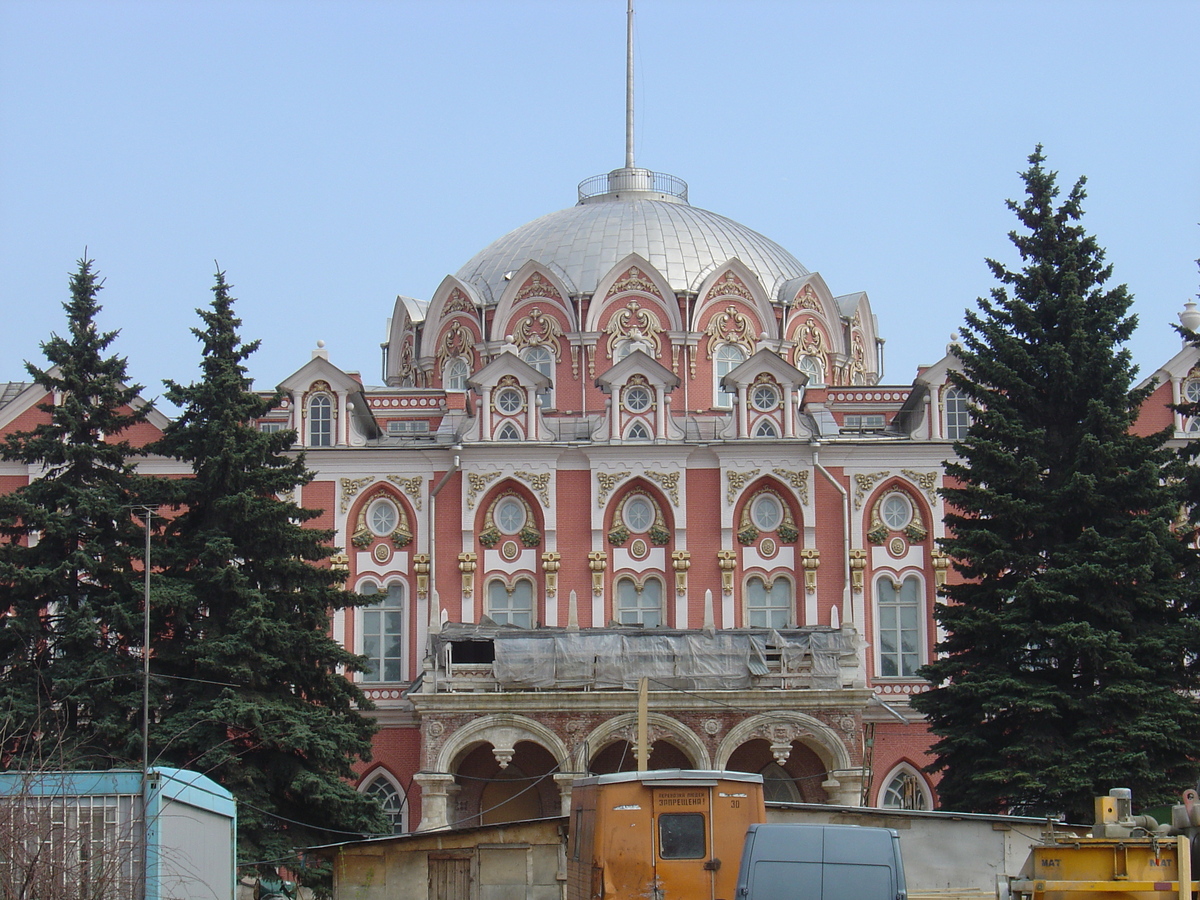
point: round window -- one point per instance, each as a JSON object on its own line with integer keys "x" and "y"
{"x": 382, "y": 517}
{"x": 638, "y": 514}
{"x": 1191, "y": 391}
{"x": 509, "y": 400}
{"x": 767, "y": 512}
{"x": 637, "y": 399}
{"x": 509, "y": 515}
{"x": 896, "y": 511}
{"x": 765, "y": 397}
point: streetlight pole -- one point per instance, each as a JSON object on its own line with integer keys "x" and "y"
{"x": 147, "y": 513}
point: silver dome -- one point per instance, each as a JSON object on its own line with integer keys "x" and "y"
{"x": 583, "y": 243}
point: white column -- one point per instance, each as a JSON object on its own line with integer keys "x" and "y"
{"x": 789, "y": 412}
{"x": 485, "y": 414}
{"x": 436, "y": 788}
{"x": 661, "y": 409}
{"x": 743, "y": 415}
{"x": 343, "y": 419}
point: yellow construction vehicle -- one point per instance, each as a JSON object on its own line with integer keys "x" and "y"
{"x": 1126, "y": 856}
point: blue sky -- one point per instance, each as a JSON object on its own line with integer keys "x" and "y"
{"x": 331, "y": 155}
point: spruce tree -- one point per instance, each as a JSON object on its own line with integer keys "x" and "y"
{"x": 70, "y": 591}
{"x": 253, "y": 694}
{"x": 1063, "y": 671}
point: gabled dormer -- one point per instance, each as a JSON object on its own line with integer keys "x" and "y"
{"x": 768, "y": 392}
{"x": 326, "y": 406}
{"x": 509, "y": 407}
{"x": 639, "y": 390}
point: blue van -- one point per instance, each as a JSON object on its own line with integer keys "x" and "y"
{"x": 821, "y": 862}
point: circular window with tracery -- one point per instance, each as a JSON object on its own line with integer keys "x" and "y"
{"x": 382, "y": 517}
{"x": 766, "y": 512}
{"x": 509, "y": 400}
{"x": 637, "y": 399}
{"x": 896, "y": 511}
{"x": 765, "y": 397}
{"x": 1191, "y": 390}
{"x": 509, "y": 515}
{"x": 638, "y": 514}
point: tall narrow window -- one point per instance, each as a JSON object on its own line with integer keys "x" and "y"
{"x": 905, "y": 790}
{"x": 320, "y": 421}
{"x": 383, "y": 632}
{"x": 456, "y": 375}
{"x": 542, "y": 359}
{"x": 390, "y": 799}
{"x": 727, "y": 358}
{"x": 958, "y": 419}
{"x": 639, "y": 605}
{"x": 899, "y": 626}
{"x": 814, "y": 369}
{"x": 511, "y": 605}
{"x": 768, "y": 606}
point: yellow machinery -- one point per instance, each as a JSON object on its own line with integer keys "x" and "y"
{"x": 1126, "y": 856}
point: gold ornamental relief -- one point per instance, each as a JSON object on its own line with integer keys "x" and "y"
{"x": 735, "y": 482}
{"x": 540, "y": 482}
{"x": 797, "y": 479}
{"x": 634, "y": 280}
{"x": 539, "y": 330}
{"x": 926, "y": 481}
{"x": 607, "y": 483}
{"x": 351, "y": 487}
{"x": 636, "y": 325}
{"x": 863, "y": 485}
{"x": 476, "y": 482}
{"x": 537, "y": 286}
{"x": 457, "y": 340}
{"x": 410, "y": 486}
{"x": 730, "y": 327}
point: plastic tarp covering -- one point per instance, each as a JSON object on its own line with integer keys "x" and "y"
{"x": 603, "y": 659}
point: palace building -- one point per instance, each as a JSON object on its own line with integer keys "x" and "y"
{"x": 632, "y": 439}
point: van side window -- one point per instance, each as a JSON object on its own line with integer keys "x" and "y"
{"x": 681, "y": 836}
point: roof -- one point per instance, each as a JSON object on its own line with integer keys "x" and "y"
{"x": 583, "y": 243}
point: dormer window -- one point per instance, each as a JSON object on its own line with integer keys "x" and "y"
{"x": 958, "y": 417}
{"x": 766, "y": 429}
{"x": 542, "y": 359}
{"x": 1191, "y": 390}
{"x": 320, "y": 420}
{"x": 508, "y": 433}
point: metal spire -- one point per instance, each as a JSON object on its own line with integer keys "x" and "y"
{"x": 629, "y": 87}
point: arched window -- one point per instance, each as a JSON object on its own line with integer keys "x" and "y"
{"x": 637, "y": 432}
{"x": 727, "y": 358}
{"x": 383, "y": 631}
{"x": 814, "y": 369}
{"x": 778, "y": 785}
{"x": 542, "y": 359}
{"x": 639, "y": 604}
{"x": 905, "y": 790}
{"x": 958, "y": 419}
{"x": 511, "y": 605}
{"x": 456, "y": 374}
{"x": 320, "y": 421}
{"x": 508, "y": 432}
{"x": 390, "y": 799}
{"x": 899, "y": 632}
{"x": 766, "y": 429}
{"x": 768, "y": 606}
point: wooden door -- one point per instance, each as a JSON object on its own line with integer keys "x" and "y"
{"x": 449, "y": 876}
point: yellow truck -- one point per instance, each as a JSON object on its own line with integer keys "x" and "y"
{"x": 1126, "y": 856}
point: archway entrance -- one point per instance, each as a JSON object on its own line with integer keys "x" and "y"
{"x": 524, "y": 789}
{"x": 796, "y": 780}
{"x": 620, "y": 756}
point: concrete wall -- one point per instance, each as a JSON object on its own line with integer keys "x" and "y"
{"x": 521, "y": 861}
{"x": 945, "y": 854}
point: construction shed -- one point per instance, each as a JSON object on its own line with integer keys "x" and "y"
{"x": 514, "y": 861}
{"x": 91, "y": 833}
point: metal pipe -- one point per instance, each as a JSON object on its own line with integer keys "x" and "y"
{"x": 629, "y": 87}
{"x": 429, "y": 519}
{"x": 847, "y": 602}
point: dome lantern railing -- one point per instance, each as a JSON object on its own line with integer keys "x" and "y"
{"x": 633, "y": 182}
